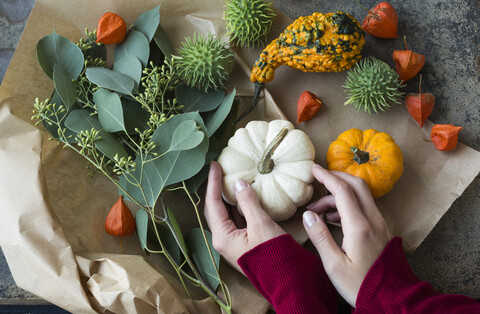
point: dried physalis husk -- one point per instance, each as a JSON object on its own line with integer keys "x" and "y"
{"x": 445, "y": 136}
{"x": 120, "y": 221}
{"x": 111, "y": 29}
{"x": 420, "y": 105}
{"x": 308, "y": 105}
{"x": 381, "y": 21}
{"x": 407, "y": 63}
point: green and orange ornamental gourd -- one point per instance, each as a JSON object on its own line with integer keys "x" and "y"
{"x": 371, "y": 155}
{"x": 321, "y": 42}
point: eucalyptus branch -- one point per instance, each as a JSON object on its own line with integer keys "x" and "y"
{"x": 157, "y": 81}
{"x": 198, "y": 280}
{"x": 195, "y": 206}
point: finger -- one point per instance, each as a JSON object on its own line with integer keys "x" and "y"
{"x": 363, "y": 193}
{"x": 235, "y": 216}
{"x": 322, "y": 239}
{"x": 215, "y": 212}
{"x": 323, "y": 204}
{"x": 248, "y": 203}
{"x": 345, "y": 198}
{"x": 333, "y": 216}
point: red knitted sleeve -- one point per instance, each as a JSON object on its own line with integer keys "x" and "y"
{"x": 391, "y": 287}
{"x": 290, "y": 277}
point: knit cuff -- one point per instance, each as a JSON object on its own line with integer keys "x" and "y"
{"x": 290, "y": 277}
{"x": 391, "y": 286}
{"x": 387, "y": 280}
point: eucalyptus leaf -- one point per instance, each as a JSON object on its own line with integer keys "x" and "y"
{"x": 214, "y": 119}
{"x": 110, "y": 146}
{"x": 156, "y": 55}
{"x": 131, "y": 66}
{"x": 193, "y": 99}
{"x": 134, "y": 115}
{"x": 199, "y": 251}
{"x": 56, "y": 49}
{"x": 213, "y": 150}
{"x": 181, "y": 164}
{"x": 130, "y": 191}
{"x": 186, "y": 136}
{"x": 81, "y": 120}
{"x": 176, "y": 228}
{"x": 64, "y": 86}
{"x": 151, "y": 180}
{"x": 195, "y": 182}
{"x": 110, "y": 110}
{"x": 96, "y": 51}
{"x": 141, "y": 220}
{"x": 112, "y": 80}
{"x": 53, "y": 129}
{"x": 168, "y": 167}
{"x": 169, "y": 243}
{"x": 148, "y": 22}
{"x": 136, "y": 44}
{"x": 163, "y": 42}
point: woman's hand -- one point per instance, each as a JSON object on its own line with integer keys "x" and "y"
{"x": 364, "y": 229}
{"x": 227, "y": 239}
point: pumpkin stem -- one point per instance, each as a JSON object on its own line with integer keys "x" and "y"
{"x": 360, "y": 156}
{"x": 266, "y": 164}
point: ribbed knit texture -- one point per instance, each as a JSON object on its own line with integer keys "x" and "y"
{"x": 290, "y": 277}
{"x": 390, "y": 286}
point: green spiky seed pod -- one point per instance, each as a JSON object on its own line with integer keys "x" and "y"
{"x": 248, "y": 22}
{"x": 205, "y": 62}
{"x": 372, "y": 85}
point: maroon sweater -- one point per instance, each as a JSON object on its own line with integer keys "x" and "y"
{"x": 293, "y": 280}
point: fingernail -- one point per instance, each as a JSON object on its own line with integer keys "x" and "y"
{"x": 329, "y": 216}
{"x": 310, "y": 206}
{"x": 318, "y": 167}
{"x": 309, "y": 218}
{"x": 240, "y": 185}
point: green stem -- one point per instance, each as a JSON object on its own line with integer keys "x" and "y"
{"x": 205, "y": 239}
{"x": 198, "y": 280}
{"x": 369, "y": 11}
{"x": 101, "y": 170}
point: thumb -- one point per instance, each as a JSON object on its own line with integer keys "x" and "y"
{"x": 322, "y": 239}
{"x": 248, "y": 203}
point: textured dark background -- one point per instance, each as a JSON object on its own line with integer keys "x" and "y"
{"x": 448, "y": 34}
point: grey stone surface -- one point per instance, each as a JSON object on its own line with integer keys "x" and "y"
{"x": 448, "y": 33}
{"x": 8, "y": 289}
{"x": 13, "y": 16}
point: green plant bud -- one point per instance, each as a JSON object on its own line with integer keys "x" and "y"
{"x": 205, "y": 62}
{"x": 372, "y": 85}
{"x": 248, "y": 22}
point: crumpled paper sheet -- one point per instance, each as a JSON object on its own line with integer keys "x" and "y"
{"x": 52, "y": 215}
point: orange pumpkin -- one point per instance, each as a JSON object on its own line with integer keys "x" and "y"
{"x": 370, "y": 155}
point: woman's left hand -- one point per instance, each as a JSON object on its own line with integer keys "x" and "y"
{"x": 227, "y": 239}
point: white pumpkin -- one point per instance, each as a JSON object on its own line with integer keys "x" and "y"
{"x": 276, "y": 159}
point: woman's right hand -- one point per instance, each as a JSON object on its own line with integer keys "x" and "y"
{"x": 364, "y": 229}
